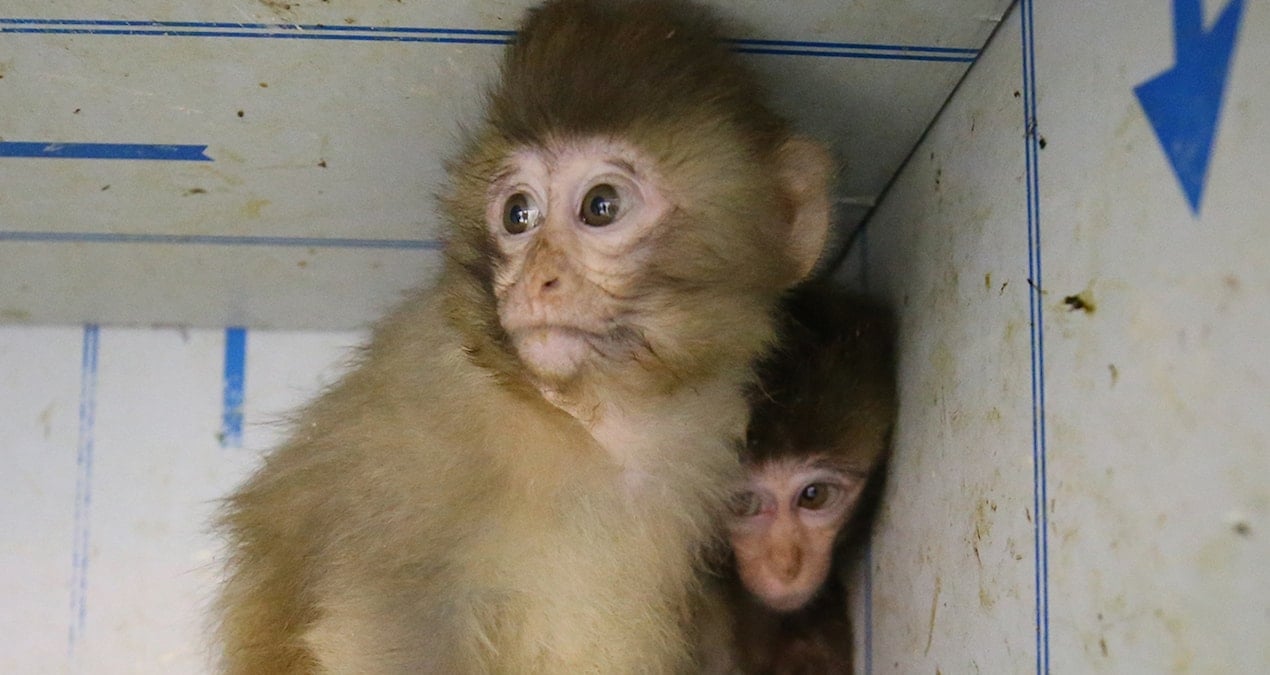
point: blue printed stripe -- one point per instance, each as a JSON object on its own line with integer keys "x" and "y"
{"x": 856, "y": 54}
{"x": 851, "y": 45}
{"x": 446, "y": 36}
{"x": 857, "y": 50}
{"x": 1040, "y": 500}
{"x": 219, "y": 240}
{"x": 235, "y": 381}
{"x": 82, "y": 540}
{"x": 150, "y": 151}
{"x": 246, "y": 26}
{"x": 276, "y": 36}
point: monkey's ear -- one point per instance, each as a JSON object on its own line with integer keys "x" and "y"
{"x": 804, "y": 168}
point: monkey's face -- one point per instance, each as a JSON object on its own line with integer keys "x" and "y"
{"x": 785, "y": 524}
{"x": 647, "y": 258}
{"x": 572, "y": 222}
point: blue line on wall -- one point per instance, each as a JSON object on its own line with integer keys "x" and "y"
{"x": 82, "y": 541}
{"x": 275, "y": 36}
{"x": 219, "y": 240}
{"x": 853, "y": 54}
{"x": 445, "y": 36}
{"x": 1040, "y": 500}
{"x": 231, "y": 435}
{"x": 1184, "y": 102}
{"x": 150, "y": 151}
{"x": 744, "y": 42}
{"x": 243, "y": 26}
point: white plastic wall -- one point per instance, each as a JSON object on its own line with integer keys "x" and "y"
{"x": 284, "y": 155}
{"x": 1073, "y": 490}
{"x": 271, "y": 165}
{"x": 117, "y": 443}
{"x": 1081, "y": 481}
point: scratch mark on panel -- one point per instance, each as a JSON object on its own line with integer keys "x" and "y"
{"x": 46, "y": 420}
{"x": 934, "y": 607}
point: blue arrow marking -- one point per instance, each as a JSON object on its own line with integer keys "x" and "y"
{"x": 1184, "y": 102}
{"x": 153, "y": 151}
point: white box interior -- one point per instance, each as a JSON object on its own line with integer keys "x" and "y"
{"x": 1080, "y": 480}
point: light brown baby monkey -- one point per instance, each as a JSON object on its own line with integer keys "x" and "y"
{"x": 522, "y": 472}
{"x": 819, "y": 432}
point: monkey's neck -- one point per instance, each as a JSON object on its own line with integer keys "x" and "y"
{"x": 681, "y": 440}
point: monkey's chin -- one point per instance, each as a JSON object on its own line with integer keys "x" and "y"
{"x": 553, "y": 353}
{"x": 787, "y": 601}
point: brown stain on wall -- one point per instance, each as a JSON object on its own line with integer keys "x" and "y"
{"x": 982, "y": 531}
{"x": 17, "y": 315}
{"x": 254, "y": 206}
{"x": 986, "y": 600}
{"x": 45, "y": 420}
{"x": 1081, "y": 302}
{"x": 279, "y": 7}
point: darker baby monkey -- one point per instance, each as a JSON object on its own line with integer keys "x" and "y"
{"x": 819, "y": 433}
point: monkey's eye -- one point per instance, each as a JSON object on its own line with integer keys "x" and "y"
{"x": 520, "y": 214}
{"x": 600, "y": 206}
{"x": 746, "y": 504}
{"x": 815, "y": 496}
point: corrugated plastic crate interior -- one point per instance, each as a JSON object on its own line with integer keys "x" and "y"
{"x": 202, "y": 206}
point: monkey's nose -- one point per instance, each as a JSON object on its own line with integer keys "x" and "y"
{"x": 788, "y": 562}
{"x": 550, "y": 283}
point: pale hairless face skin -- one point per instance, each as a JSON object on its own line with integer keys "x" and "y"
{"x": 573, "y": 222}
{"x": 785, "y": 523}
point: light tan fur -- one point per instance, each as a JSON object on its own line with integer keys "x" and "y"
{"x": 452, "y": 505}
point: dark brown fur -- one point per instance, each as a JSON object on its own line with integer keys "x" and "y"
{"x": 638, "y": 62}
{"x": 830, "y": 386}
{"x": 830, "y": 391}
{"x": 815, "y": 640}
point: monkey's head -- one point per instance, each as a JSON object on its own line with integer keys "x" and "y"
{"x": 819, "y": 428}
{"x": 630, "y": 206}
